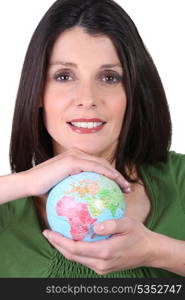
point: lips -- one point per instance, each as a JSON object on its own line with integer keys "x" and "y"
{"x": 86, "y": 120}
{"x": 79, "y": 126}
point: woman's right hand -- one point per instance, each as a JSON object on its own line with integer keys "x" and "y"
{"x": 41, "y": 178}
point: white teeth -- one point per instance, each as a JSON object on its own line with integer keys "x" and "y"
{"x": 91, "y": 125}
{"x": 86, "y": 124}
{"x": 83, "y": 125}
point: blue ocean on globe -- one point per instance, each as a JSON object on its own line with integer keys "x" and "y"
{"x": 79, "y": 201}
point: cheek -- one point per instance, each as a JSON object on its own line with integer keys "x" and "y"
{"x": 51, "y": 108}
{"x": 49, "y": 111}
{"x": 51, "y": 99}
{"x": 118, "y": 107}
{"x": 119, "y": 117}
{"x": 52, "y": 103}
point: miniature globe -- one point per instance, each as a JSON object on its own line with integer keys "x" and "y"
{"x": 79, "y": 201}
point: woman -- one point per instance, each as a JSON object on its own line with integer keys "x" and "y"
{"x": 90, "y": 99}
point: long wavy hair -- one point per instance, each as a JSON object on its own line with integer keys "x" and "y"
{"x": 145, "y": 136}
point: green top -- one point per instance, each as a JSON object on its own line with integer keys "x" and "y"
{"x": 24, "y": 252}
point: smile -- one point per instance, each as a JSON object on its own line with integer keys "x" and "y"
{"x": 83, "y": 126}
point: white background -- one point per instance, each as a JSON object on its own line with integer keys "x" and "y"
{"x": 161, "y": 24}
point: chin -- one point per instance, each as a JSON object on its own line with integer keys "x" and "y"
{"x": 91, "y": 149}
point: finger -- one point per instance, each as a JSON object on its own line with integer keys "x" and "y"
{"x": 82, "y": 160}
{"x": 120, "y": 179}
{"x": 84, "y": 155}
{"x": 116, "y": 226}
{"x": 86, "y": 261}
{"x": 103, "y": 170}
{"x": 100, "y": 266}
{"x": 115, "y": 174}
{"x": 76, "y": 248}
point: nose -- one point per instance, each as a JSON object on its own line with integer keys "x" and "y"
{"x": 86, "y": 96}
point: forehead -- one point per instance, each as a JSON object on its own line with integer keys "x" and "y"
{"x": 75, "y": 44}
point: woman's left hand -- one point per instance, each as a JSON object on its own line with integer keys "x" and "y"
{"x": 131, "y": 245}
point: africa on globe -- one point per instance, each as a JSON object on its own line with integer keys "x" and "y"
{"x": 79, "y": 201}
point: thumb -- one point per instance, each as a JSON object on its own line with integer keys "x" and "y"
{"x": 109, "y": 227}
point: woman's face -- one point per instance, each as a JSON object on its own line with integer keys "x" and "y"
{"x": 84, "y": 99}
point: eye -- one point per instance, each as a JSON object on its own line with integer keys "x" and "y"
{"x": 63, "y": 76}
{"x": 111, "y": 77}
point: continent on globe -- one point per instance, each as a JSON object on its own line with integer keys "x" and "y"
{"x": 79, "y": 201}
{"x": 77, "y": 215}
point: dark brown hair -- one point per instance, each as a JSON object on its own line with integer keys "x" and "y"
{"x": 145, "y": 136}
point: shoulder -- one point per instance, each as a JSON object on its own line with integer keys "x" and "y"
{"x": 177, "y": 170}
{"x": 170, "y": 171}
{"x": 166, "y": 179}
{"x": 176, "y": 165}
{"x": 4, "y": 216}
{"x": 174, "y": 162}
{"x": 174, "y": 156}
{"x": 11, "y": 210}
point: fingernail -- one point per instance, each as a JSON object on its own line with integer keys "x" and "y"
{"x": 128, "y": 189}
{"x": 46, "y": 234}
{"x": 99, "y": 227}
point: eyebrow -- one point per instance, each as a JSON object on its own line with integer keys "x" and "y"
{"x": 71, "y": 64}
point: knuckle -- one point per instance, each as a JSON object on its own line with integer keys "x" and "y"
{"x": 103, "y": 170}
{"x": 71, "y": 157}
{"x": 116, "y": 175}
{"x": 75, "y": 170}
{"x": 73, "y": 163}
{"x": 71, "y": 160}
{"x": 130, "y": 223}
{"x": 95, "y": 166}
{"x": 73, "y": 250}
{"x": 112, "y": 225}
{"x": 106, "y": 254}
